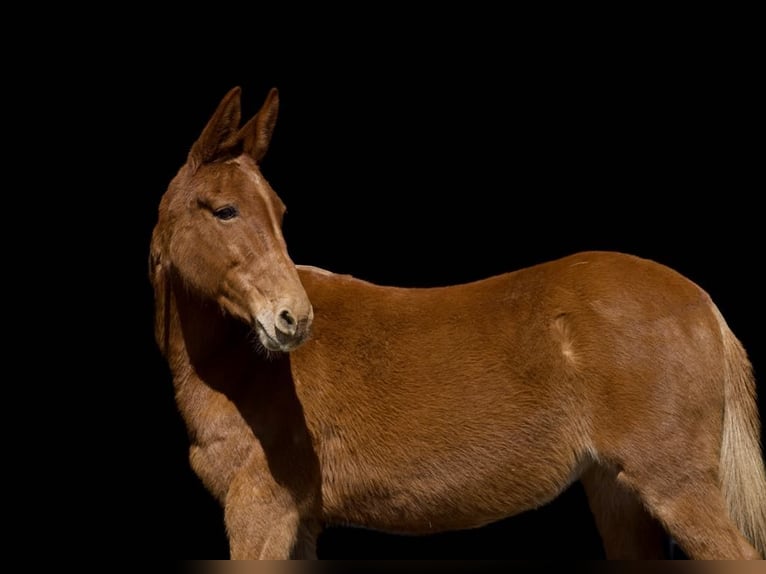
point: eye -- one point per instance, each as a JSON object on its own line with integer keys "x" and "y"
{"x": 225, "y": 213}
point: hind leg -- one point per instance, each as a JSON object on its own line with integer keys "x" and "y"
{"x": 693, "y": 511}
{"x": 628, "y": 531}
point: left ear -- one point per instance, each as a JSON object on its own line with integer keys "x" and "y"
{"x": 255, "y": 135}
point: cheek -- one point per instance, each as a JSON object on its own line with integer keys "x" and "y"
{"x": 197, "y": 259}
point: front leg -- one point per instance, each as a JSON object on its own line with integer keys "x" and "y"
{"x": 264, "y": 521}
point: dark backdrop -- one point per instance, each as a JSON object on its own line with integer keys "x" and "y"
{"x": 461, "y": 159}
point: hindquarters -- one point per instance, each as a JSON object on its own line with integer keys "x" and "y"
{"x": 675, "y": 435}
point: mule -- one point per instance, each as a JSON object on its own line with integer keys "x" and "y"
{"x": 313, "y": 398}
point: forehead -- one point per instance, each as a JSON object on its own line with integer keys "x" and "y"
{"x": 237, "y": 179}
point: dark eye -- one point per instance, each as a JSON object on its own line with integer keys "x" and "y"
{"x": 228, "y": 212}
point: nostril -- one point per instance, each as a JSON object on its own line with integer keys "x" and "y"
{"x": 286, "y": 323}
{"x": 291, "y": 330}
{"x": 287, "y": 318}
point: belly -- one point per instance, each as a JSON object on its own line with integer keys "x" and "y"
{"x": 412, "y": 488}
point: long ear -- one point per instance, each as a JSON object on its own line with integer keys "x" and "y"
{"x": 218, "y": 137}
{"x": 256, "y": 134}
{"x": 159, "y": 281}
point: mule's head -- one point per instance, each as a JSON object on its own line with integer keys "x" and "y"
{"x": 219, "y": 228}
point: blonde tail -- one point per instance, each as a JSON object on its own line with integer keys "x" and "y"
{"x": 742, "y": 473}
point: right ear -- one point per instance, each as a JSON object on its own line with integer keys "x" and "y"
{"x": 256, "y": 134}
{"x": 219, "y": 134}
{"x": 159, "y": 281}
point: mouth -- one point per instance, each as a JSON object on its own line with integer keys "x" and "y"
{"x": 270, "y": 343}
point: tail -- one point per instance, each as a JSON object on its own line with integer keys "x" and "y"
{"x": 742, "y": 473}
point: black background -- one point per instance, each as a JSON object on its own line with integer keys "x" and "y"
{"x": 417, "y": 159}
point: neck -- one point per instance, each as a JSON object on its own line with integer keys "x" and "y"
{"x": 232, "y": 395}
